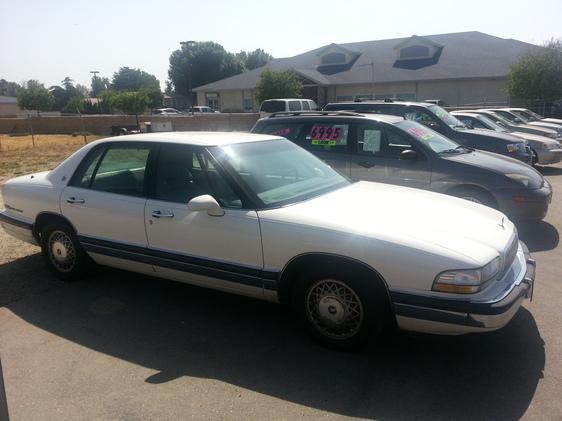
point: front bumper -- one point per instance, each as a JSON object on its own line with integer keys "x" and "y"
{"x": 549, "y": 156}
{"x": 431, "y": 314}
{"x": 524, "y": 203}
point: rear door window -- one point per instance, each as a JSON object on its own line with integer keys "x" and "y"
{"x": 121, "y": 170}
{"x": 294, "y": 106}
{"x": 327, "y": 136}
{"x": 305, "y": 106}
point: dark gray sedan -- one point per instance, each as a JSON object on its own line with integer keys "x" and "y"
{"x": 392, "y": 150}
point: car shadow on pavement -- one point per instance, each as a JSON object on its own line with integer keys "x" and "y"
{"x": 550, "y": 170}
{"x": 538, "y": 235}
{"x": 181, "y": 330}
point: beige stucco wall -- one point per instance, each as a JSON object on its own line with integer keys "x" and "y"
{"x": 465, "y": 92}
{"x": 453, "y": 92}
{"x": 9, "y": 109}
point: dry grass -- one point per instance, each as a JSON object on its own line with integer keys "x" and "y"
{"x": 18, "y": 156}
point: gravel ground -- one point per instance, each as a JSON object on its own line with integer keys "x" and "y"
{"x": 124, "y": 346}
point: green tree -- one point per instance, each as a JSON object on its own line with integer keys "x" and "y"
{"x": 154, "y": 95}
{"x": 537, "y": 76}
{"x": 127, "y": 79}
{"x": 254, "y": 59}
{"x": 74, "y": 105}
{"x": 199, "y": 63}
{"x": 131, "y": 102}
{"x": 278, "y": 84}
{"x": 34, "y": 96}
{"x": 8, "y": 88}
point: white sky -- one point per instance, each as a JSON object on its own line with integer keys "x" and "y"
{"x": 48, "y": 40}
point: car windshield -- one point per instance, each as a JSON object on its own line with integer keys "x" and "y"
{"x": 433, "y": 140}
{"x": 532, "y": 114}
{"x": 509, "y": 117}
{"x": 278, "y": 172}
{"x": 492, "y": 124}
{"x": 524, "y": 116}
{"x": 272, "y": 106}
{"x": 447, "y": 118}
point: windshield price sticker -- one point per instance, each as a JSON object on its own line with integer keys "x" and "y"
{"x": 282, "y": 132}
{"x": 420, "y": 133}
{"x": 325, "y": 135}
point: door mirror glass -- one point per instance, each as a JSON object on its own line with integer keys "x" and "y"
{"x": 409, "y": 154}
{"x": 206, "y": 203}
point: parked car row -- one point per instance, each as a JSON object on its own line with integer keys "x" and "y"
{"x": 319, "y": 210}
{"x": 198, "y": 109}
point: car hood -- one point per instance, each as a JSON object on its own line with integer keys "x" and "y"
{"x": 508, "y": 137}
{"x": 538, "y": 128}
{"x": 530, "y": 137}
{"x": 429, "y": 222}
{"x": 500, "y": 164}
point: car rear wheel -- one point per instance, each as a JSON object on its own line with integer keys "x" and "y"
{"x": 62, "y": 252}
{"x": 339, "y": 307}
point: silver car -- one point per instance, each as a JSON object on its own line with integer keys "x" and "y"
{"x": 532, "y": 116}
{"x": 545, "y": 150}
{"x": 518, "y": 121}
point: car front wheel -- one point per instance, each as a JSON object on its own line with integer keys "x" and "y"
{"x": 339, "y": 308}
{"x": 62, "y": 252}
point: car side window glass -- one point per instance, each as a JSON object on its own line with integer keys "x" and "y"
{"x": 183, "y": 173}
{"x": 83, "y": 175}
{"x": 327, "y": 136}
{"x": 294, "y": 105}
{"x": 121, "y": 170}
{"x": 305, "y": 106}
{"x": 380, "y": 143}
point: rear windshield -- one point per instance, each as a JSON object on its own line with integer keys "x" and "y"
{"x": 273, "y": 106}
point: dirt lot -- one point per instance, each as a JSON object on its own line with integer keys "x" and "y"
{"x": 21, "y": 154}
{"x": 124, "y": 346}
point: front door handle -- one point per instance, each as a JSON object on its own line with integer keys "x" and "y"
{"x": 366, "y": 164}
{"x": 160, "y": 214}
{"x": 74, "y": 200}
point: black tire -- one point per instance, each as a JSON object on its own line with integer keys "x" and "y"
{"x": 334, "y": 321}
{"x": 475, "y": 195}
{"x": 62, "y": 252}
{"x": 534, "y": 158}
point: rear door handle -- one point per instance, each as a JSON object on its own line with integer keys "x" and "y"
{"x": 366, "y": 164}
{"x": 74, "y": 200}
{"x": 160, "y": 214}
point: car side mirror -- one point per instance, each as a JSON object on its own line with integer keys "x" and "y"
{"x": 206, "y": 203}
{"x": 409, "y": 154}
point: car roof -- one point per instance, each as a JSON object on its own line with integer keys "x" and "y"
{"x": 383, "y": 102}
{"x": 392, "y": 119}
{"x": 194, "y": 138}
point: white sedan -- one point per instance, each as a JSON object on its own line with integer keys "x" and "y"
{"x": 259, "y": 216}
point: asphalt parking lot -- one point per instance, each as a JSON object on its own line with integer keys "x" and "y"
{"x": 123, "y": 346}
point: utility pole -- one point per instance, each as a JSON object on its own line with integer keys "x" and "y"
{"x": 188, "y": 75}
{"x": 95, "y": 73}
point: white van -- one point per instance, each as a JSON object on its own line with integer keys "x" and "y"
{"x": 270, "y": 106}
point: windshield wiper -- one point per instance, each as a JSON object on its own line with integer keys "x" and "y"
{"x": 458, "y": 149}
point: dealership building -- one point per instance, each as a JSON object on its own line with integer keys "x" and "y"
{"x": 466, "y": 68}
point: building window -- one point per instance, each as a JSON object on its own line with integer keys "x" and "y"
{"x": 333, "y": 58}
{"x": 344, "y": 98}
{"x": 414, "y": 51}
{"x": 248, "y": 104}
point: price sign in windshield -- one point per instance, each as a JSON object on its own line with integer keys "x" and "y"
{"x": 325, "y": 135}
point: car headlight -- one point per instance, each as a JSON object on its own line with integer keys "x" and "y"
{"x": 550, "y": 145}
{"x": 516, "y": 147}
{"x": 552, "y": 135}
{"x": 467, "y": 281}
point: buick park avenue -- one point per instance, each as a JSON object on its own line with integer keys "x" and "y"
{"x": 258, "y": 215}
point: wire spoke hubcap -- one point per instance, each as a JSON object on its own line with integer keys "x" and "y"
{"x": 334, "y": 309}
{"x": 61, "y": 251}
